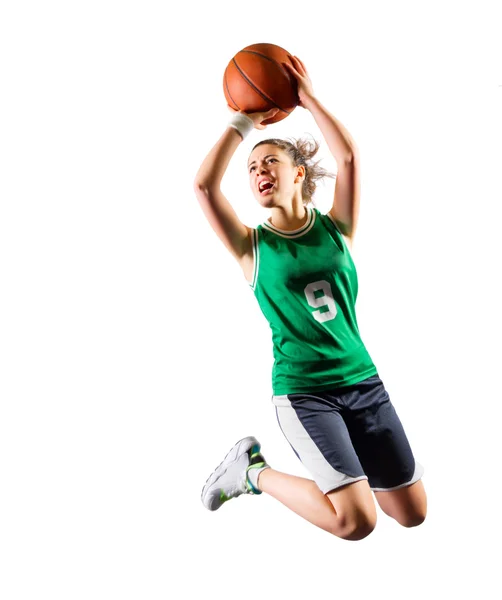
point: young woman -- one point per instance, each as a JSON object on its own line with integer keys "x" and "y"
{"x": 331, "y": 405}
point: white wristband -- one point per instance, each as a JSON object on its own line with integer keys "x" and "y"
{"x": 242, "y": 123}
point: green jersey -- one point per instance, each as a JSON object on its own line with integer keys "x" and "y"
{"x": 306, "y": 285}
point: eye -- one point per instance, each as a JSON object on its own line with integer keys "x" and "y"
{"x": 251, "y": 169}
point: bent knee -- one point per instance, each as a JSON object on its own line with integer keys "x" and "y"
{"x": 356, "y": 529}
{"x": 411, "y": 519}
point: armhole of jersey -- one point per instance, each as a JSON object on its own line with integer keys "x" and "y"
{"x": 339, "y": 231}
{"x": 256, "y": 260}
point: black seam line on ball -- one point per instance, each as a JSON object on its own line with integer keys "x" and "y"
{"x": 228, "y": 92}
{"x": 266, "y": 98}
{"x": 263, "y": 56}
{"x": 272, "y": 60}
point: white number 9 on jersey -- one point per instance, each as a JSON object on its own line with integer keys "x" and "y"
{"x": 325, "y": 300}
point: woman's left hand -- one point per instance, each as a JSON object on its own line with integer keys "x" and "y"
{"x": 299, "y": 72}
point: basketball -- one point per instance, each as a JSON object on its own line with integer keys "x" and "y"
{"x": 255, "y": 80}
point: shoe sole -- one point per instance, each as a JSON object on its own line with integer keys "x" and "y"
{"x": 232, "y": 457}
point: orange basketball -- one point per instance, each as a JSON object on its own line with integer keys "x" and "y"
{"x": 255, "y": 80}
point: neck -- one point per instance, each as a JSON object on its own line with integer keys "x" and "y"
{"x": 289, "y": 217}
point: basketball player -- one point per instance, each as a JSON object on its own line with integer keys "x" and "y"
{"x": 331, "y": 405}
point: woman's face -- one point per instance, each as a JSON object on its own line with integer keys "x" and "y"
{"x": 272, "y": 175}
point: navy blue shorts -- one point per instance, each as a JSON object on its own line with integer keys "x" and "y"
{"x": 349, "y": 434}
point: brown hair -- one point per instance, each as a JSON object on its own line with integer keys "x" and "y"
{"x": 301, "y": 152}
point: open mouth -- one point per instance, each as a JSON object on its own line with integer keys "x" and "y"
{"x": 265, "y": 188}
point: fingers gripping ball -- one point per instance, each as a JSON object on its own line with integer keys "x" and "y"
{"x": 255, "y": 80}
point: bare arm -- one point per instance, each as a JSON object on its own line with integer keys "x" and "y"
{"x": 217, "y": 209}
{"x": 345, "y": 209}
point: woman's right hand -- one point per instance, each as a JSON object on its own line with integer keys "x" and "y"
{"x": 257, "y": 117}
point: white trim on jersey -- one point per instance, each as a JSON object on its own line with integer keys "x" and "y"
{"x": 296, "y": 232}
{"x": 256, "y": 259}
{"x": 345, "y": 239}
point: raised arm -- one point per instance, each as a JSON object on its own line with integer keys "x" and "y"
{"x": 345, "y": 209}
{"x": 217, "y": 209}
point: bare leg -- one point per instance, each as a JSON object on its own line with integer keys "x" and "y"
{"x": 408, "y": 505}
{"x": 348, "y": 512}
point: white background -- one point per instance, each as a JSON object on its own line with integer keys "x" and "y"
{"x": 133, "y": 353}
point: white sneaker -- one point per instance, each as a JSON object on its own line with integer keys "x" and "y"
{"x": 230, "y": 480}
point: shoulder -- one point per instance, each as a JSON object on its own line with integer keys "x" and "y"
{"x": 335, "y": 225}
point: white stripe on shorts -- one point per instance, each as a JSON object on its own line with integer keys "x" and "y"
{"x": 419, "y": 471}
{"x": 325, "y": 476}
